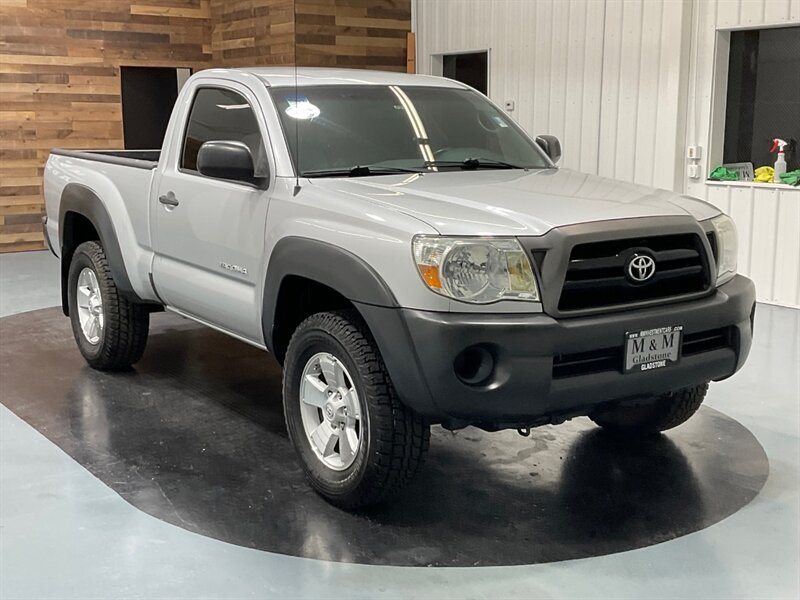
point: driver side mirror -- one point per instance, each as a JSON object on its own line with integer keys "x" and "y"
{"x": 227, "y": 160}
{"x": 551, "y": 146}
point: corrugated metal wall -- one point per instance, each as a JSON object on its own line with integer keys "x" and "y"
{"x": 768, "y": 219}
{"x": 625, "y": 85}
{"x": 583, "y": 70}
{"x": 641, "y": 136}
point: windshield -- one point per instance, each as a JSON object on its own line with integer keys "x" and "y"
{"x": 341, "y": 129}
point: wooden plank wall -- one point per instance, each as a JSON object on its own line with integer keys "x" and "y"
{"x": 60, "y": 84}
{"x": 60, "y": 59}
{"x": 252, "y": 32}
{"x": 364, "y": 34}
{"x": 370, "y": 34}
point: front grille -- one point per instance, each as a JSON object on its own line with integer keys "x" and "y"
{"x": 712, "y": 240}
{"x": 596, "y": 277}
{"x": 610, "y": 359}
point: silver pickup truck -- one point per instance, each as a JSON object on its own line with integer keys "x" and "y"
{"x": 411, "y": 257}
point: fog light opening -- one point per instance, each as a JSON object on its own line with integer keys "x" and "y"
{"x": 474, "y": 365}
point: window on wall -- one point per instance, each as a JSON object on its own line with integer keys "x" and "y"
{"x": 763, "y": 100}
{"x": 148, "y": 95}
{"x": 471, "y": 68}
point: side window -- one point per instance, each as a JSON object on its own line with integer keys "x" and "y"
{"x": 222, "y": 115}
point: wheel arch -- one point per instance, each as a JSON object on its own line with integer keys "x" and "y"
{"x": 305, "y": 275}
{"x": 83, "y": 217}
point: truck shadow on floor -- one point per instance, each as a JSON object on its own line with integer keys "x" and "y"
{"x": 195, "y": 436}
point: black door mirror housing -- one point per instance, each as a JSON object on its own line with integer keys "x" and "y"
{"x": 551, "y": 146}
{"x": 229, "y": 160}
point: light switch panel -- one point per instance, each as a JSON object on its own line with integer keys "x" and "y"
{"x": 694, "y": 152}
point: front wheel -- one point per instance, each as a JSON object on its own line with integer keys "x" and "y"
{"x": 659, "y": 414}
{"x": 110, "y": 330}
{"x": 359, "y": 445}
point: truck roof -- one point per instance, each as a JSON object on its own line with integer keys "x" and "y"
{"x": 285, "y": 76}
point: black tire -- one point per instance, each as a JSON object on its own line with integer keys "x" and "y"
{"x": 124, "y": 334}
{"x": 394, "y": 438}
{"x": 660, "y": 414}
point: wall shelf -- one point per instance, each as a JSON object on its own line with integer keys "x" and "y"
{"x": 753, "y": 184}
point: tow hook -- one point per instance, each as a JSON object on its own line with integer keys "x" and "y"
{"x": 524, "y": 431}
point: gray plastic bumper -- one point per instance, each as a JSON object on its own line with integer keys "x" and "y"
{"x": 420, "y": 349}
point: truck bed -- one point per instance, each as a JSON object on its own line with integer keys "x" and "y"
{"x": 139, "y": 159}
{"x": 121, "y": 180}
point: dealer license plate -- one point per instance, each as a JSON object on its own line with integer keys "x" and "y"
{"x": 652, "y": 348}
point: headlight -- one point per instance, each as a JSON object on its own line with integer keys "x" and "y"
{"x": 475, "y": 270}
{"x": 727, "y": 247}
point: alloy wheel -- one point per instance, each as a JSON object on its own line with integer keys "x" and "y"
{"x": 331, "y": 411}
{"x": 89, "y": 301}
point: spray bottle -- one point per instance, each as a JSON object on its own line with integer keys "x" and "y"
{"x": 780, "y": 163}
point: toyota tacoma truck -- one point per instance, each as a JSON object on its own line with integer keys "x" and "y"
{"x": 409, "y": 255}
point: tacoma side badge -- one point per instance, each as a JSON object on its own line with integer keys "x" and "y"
{"x": 234, "y": 268}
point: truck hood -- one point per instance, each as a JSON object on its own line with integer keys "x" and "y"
{"x": 513, "y": 202}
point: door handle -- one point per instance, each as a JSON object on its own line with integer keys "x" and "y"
{"x": 169, "y": 199}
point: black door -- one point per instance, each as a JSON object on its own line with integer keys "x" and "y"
{"x": 148, "y": 95}
{"x": 471, "y": 68}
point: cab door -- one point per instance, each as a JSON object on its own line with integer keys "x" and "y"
{"x": 209, "y": 233}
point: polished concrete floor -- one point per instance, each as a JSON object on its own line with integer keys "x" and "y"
{"x": 92, "y": 507}
{"x": 195, "y": 436}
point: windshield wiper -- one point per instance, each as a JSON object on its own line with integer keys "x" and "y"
{"x": 473, "y": 163}
{"x": 358, "y": 171}
{"x": 365, "y": 170}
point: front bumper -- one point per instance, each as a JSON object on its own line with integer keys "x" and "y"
{"x": 544, "y": 369}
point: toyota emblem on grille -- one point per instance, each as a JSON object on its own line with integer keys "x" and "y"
{"x": 641, "y": 268}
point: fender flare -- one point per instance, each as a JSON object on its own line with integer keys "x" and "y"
{"x": 330, "y": 265}
{"x": 81, "y": 200}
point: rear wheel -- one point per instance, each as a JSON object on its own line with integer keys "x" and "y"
{"x": 359, "y": 445}
{"x": 110, "y": 330}
{"x": 664, "y": 412}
